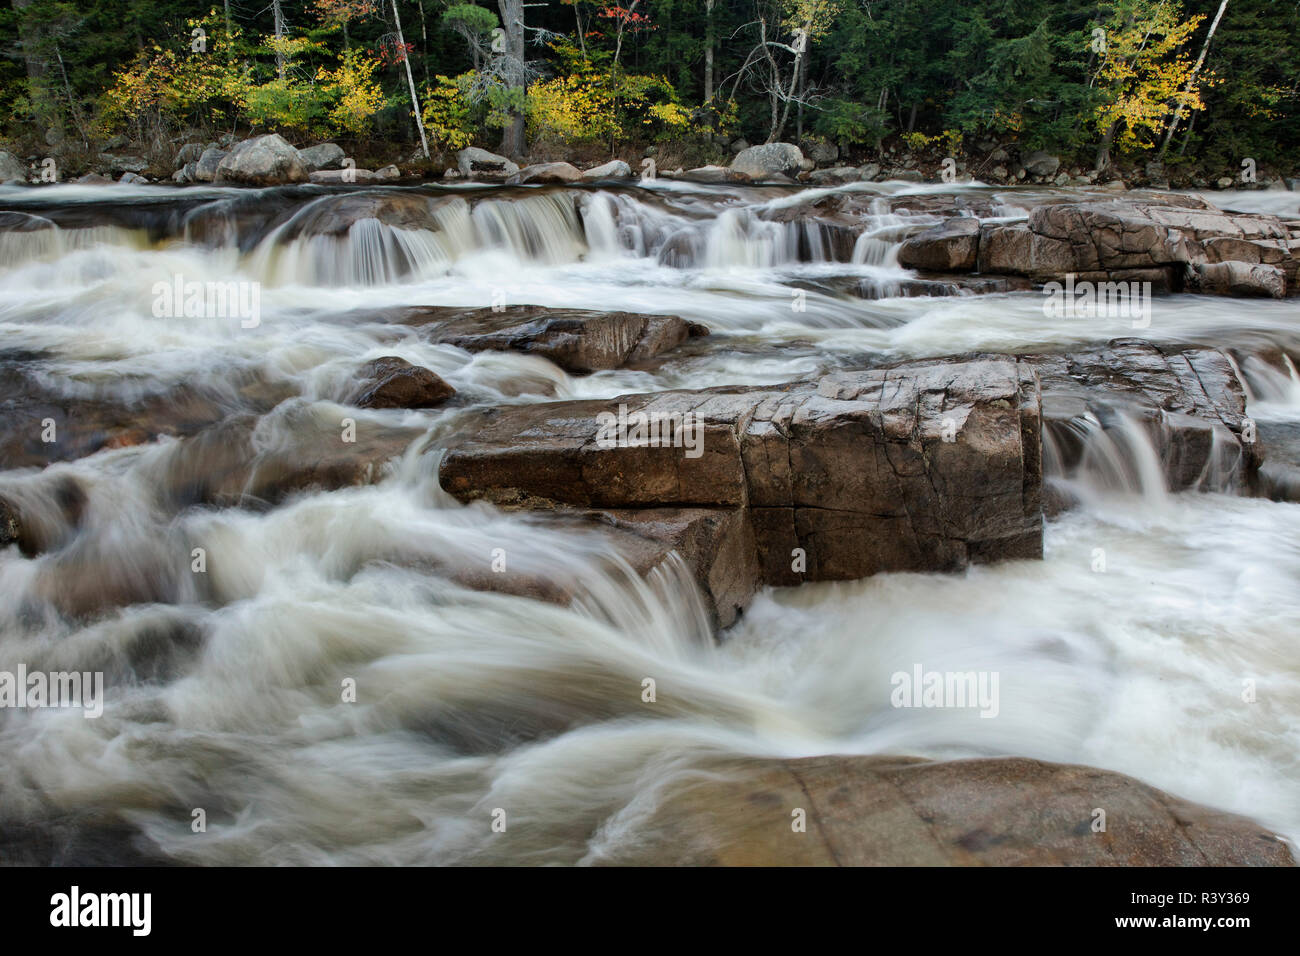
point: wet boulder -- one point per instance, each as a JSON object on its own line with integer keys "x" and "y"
{"x": 1238, "y": 279}
{"x": 952, "y": 246}
{"x": 392, "y": 382}
{"x": 334, "y": 215}
{"x": 576, "y": 340}
{"x": 905, "y": 811}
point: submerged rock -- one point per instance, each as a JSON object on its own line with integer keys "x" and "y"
{"x": 334, "y": 215}
{"x": 905, "y": 811}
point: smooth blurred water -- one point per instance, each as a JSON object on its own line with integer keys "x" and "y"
{"x": 224, "y": 692}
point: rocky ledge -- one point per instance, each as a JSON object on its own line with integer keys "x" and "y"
{"x": 904, "y": 811}
{"x": 931, "y": 466}
{"x": 1178, "y": 243}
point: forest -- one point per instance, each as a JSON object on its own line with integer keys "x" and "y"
{"x": 1195, "y": 84}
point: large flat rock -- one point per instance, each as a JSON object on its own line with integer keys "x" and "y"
{"x": 930, "y": 466}
{"x": 903, "y": 811}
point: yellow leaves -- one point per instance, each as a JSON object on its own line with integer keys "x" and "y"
{"x": 359, "y": 96}
{"x": 813, "y": 16}
{"x": 1145, "y": 70}
{"x": 447, "y": 112}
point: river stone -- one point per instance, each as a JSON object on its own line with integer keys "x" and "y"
{"x": 262, "y": 161}
{"x": 769, "y": 160}
{"x": 950, "y": 247}
{"x": 716, "y": 546}
{"x": 1041, "y": 163}
{"x": 614, "y": 169}
{"x": 1238, "y": 278}
{"x": 905, "y": 811}
{"x": 821, "y": 152}
{"x": 322, "y": 156}
{"x": 1190, "y": 403}
{"x": 12, "y": 169}
{"x": 577, "y": 341}
{"x": 334, "y": 215}
{"x": 475, "y": 163}
{"x": 189, "y": 153}
{"x": 919, "y": 468}
{"x": 335, "y": 177}
{"x": 546, "y": 173}
{"x": 229, "y": 465}
{"x": 834, "y": 177}
{"x": 206, "y": 169}
{"x": 392, "y": 382}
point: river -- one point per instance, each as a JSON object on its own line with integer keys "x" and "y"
{"x": 224, "y": 695}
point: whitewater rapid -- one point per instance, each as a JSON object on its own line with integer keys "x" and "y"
{"x": 225, "y": 696}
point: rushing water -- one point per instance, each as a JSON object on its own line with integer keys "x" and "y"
{"x": 223, "y": 693}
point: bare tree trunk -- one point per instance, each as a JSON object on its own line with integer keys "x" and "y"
{"x": 1191, "y": 122}
{"x": 279, "y": 36}
{"x": 622, "y": 24}
{"x": 227, "y": 3}
{"x": 803, "y": 91}
{"x": 424, "y": 42}
{"x": 410, "y": 82}
{"x": 1103, "y": 151}
{"x": 512, "y": 19}
{"x": 794, "y": 84}
{"x": 1191, "y": 79}
{"x": 708, "y": 50}
{"x": 73, "y": 110}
